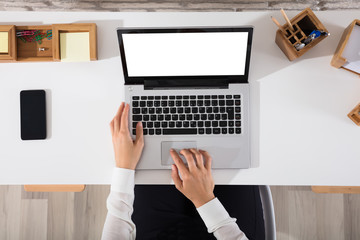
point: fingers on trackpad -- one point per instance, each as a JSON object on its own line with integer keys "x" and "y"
{"x": 166, "y": 158}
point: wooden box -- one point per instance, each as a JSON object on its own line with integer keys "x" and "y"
{"x": 338, "y": 61}
{"x": 20, "y": 51}
{"x": 78, "y": 27}
{"x": 29, "y": 51}
{"x": 354, "y": 115}
{"x": 303, "y": 23}
{"x": 11, "y": 54}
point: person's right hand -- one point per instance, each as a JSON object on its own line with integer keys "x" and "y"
{"x": 197, "y": 183}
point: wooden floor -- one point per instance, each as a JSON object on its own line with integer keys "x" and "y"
{"x": 300, "y": 214}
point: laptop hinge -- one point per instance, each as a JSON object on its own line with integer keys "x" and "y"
{"x": 198, "y": 83}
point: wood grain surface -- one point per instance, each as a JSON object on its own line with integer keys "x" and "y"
{"x": 303, "y": 214}
{"x": 300, "y": 214}
{"x": 173, "y": 5}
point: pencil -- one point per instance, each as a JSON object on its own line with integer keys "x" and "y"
{"x": 279, "y": 26}
{"x": 287, "y": 20}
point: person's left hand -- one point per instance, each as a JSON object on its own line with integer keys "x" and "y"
{"x": 127, "y": 151}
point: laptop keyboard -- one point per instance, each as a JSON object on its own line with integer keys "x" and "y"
{"x": 187, "y": 115}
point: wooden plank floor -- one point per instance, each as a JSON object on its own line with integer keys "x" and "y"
{"x": 53, "y": 216}
{"x": 300, "y": 214}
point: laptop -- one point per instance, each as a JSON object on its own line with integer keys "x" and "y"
{"x": 189, "y": 87}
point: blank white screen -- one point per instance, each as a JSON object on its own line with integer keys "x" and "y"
{"x": 185, "y": 54}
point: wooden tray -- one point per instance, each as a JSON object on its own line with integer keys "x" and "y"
{"x": 11, "y": 54}
{"x": 338, "y": 61}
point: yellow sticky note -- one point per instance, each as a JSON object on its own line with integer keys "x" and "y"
{"x": 4, "y": 42}
{"x": 74, "y": 47}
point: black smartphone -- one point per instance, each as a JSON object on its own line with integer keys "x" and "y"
{"x": 33, "y": 114}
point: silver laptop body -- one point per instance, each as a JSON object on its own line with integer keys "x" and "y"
{"x": 189, "y": 86}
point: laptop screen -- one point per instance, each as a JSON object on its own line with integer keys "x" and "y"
{"x": 185, "y": 54}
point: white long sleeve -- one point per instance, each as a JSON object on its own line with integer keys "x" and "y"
{"x": 118, "y": 224}
{"x": 218, "y": 221}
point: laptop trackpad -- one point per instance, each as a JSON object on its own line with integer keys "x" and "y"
{"x": 166, "y": 158}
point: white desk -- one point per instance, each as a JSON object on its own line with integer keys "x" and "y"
{"x": 300, "y": 132}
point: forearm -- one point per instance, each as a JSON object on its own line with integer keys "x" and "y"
{"x": 218, "y": 221}
{"x": 118, "y": 223}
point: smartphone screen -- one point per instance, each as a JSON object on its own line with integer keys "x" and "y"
{"x": 33, "y": 114}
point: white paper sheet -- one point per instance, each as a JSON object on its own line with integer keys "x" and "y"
{"x": 352, "y": 50}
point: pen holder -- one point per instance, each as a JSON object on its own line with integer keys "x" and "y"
{"x": 354, "y": 115}
{"x": 303, "y": 24}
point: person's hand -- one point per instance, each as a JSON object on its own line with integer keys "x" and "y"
{"x": 197, "y": 183}
{"x": 127, "y": 151}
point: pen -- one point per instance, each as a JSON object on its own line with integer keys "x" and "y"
{"x": 279, "y": 26}
{"x": 287, "y": 20}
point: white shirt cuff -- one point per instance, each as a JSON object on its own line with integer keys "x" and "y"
{"x": 214, "y": 215}
{"x": 123, "y": 180}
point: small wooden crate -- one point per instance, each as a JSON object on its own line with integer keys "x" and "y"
{"x": 11, "y": 54}
{"x": 20, "y": 51}
{"x": 29, "y": 51}
{"x": 354, "y": 115}
{"x": 303, "y": 23}
{"x": 338, "y": 61}
{"x": 78, "y": 27}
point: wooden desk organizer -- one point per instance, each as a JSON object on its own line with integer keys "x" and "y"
{"x": 338, "y": 61}
{"x": 20, "y": 51}
{"x": 11, "y": 54}
{"x": 354, "y": 115}
{"x": 303, "y": 23}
